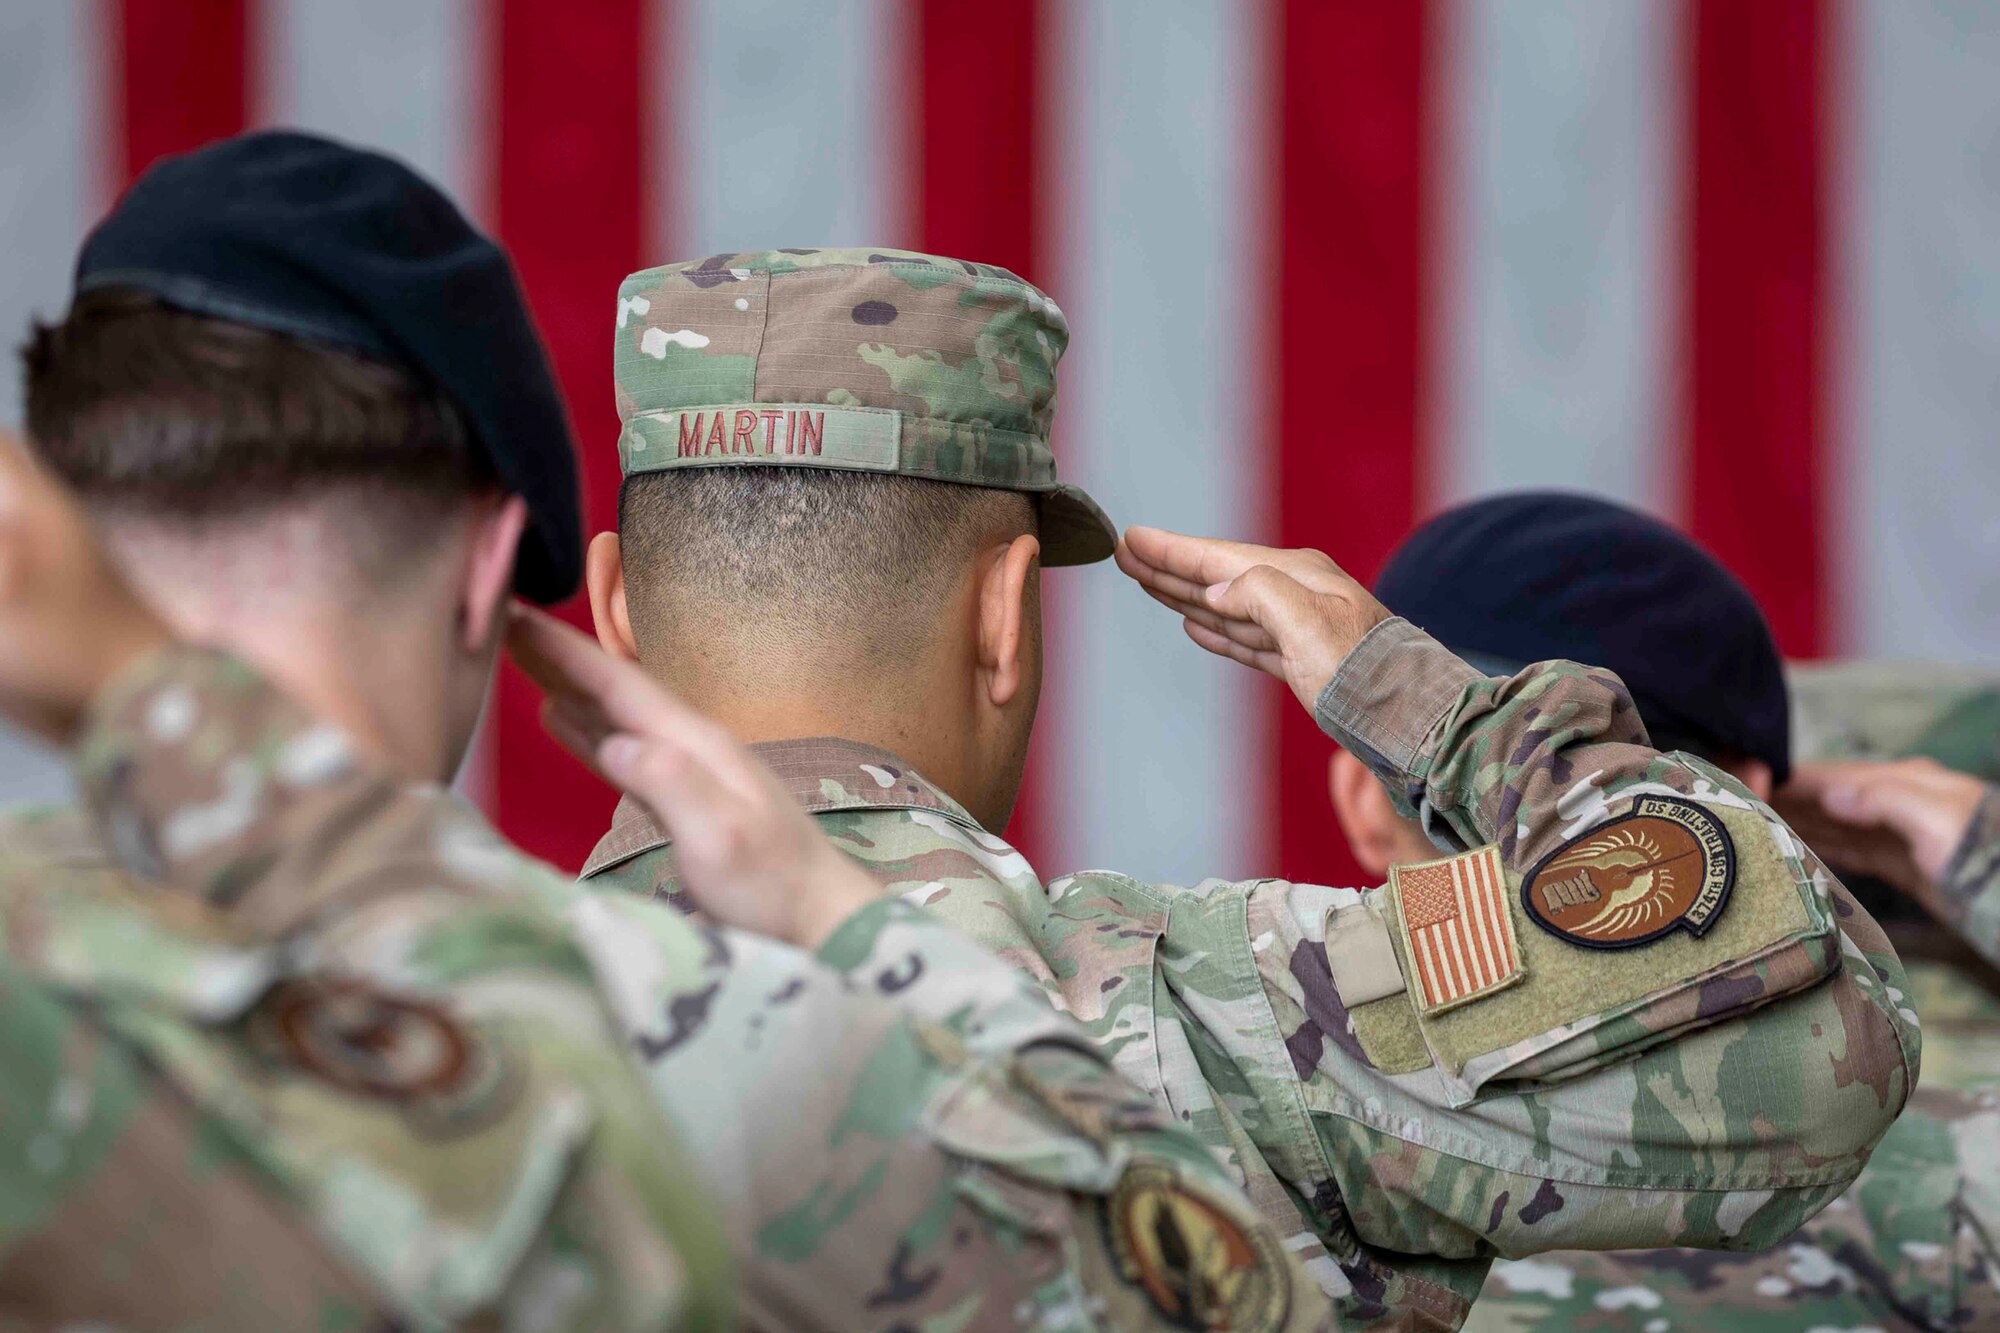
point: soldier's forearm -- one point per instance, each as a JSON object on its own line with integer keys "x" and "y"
{"x": 1508, "y": 760}
{"x": 1969, "y": 890}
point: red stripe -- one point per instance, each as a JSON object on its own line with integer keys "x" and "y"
{"x": 976, "y": 191}
{"x": 570, "y": 201}
{"x": 1757, "y": 330}
{"x": 1353, "y": 141}
{"x": 180, "y": 76}
{"x": 975, "y": 109}
{"x": 1452, "y": 937}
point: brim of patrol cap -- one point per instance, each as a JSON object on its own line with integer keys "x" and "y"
{"x": 1075, "y": 531}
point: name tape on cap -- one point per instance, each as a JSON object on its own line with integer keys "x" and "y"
{"x": 787, "y": 434}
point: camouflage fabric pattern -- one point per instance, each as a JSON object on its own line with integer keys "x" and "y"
{"x": 415, "y": 1075}
{"x": 900, "y": 1132}
{"x": 127, "y": 1207}
{"x": 1970, "y": 889}
{"x": 918, "y": 365}
{"x": 1217, "y": 999}
{"x": 1908, "y": 1248}
{"x": 1896, "y": 710}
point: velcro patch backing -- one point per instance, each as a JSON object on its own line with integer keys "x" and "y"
{"x": 1457, "y": 929}
{"x": 1623, "y": 999}
{"x": 1360, "y": 953}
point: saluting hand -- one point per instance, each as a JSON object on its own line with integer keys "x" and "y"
{"x": 1291, "y": 613}
{"x": 69, "y": 623}
{"x": 1898, "y": 820}
{"x": 745, "y": 850}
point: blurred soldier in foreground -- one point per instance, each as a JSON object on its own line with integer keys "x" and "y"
{"x": 418, "y": 1043}
{"x": 1611, "y": 1010}
{"x": 1561, "y": 575}
{"x": 226, "y": 1104}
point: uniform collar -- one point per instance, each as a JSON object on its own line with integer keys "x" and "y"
{"x": 822, "y": 773}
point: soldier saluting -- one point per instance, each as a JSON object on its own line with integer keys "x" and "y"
{"x": 1409, "y": 1077}
{"x": 304, "y": 404}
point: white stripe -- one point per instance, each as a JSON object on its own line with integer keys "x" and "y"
{"x": 1466, "y": 878}
{"x": 396, "y": 75}
{"x": 1436, "y": 982}
{"x": 55, "y": 175}
{"x": 781, "y": 125}
{"x": 1919, "y": 555}
{"x": 1556, "y": 321}
{"x": 1156, "y": 755}
{"x": 1454, "y": 939}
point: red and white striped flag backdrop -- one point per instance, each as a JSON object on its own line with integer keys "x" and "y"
{"x": 1331, "y": 265}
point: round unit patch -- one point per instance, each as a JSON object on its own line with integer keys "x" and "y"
{"x": 364, "y": 1041}
{"x": 1664, "y": 865}
{"x": 1196, "y": 1264}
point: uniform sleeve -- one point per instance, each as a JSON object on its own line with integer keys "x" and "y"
{"x": 1517, "y": 1090}
{"x": 1633, "y": 895}
{"x": 899, "y": 1130}
{"x": 439, "y": 1092}
{"x": 1969, "y": 891}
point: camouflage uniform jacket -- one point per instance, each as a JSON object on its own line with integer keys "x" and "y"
{"x": 232, "y": 1105}
{"x": 900, "y": 1131}
{"x": 1514, "y": 1123}
{"x": 1970, "y": 889}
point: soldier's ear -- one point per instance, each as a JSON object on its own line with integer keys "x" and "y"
{"x": 1003, "y": 593}
{"x": 489, "y": 571}
{"x": 604, "y": 576}
{"x": 1375, "y": 832}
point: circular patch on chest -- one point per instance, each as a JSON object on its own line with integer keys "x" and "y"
{"x": 1665, "y": 865}
{"x": 1196, "y": 1264}
{"x": 362, "y": 1040}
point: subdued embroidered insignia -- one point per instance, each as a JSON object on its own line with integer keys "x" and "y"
{"x": 1664, "y": 865}
{"x": 400, "y": 1049}
{"x": 1458, "y": 931}
{"x": 1196, "y": 1264}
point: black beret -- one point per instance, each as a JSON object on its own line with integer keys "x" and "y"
{"x": 297, "y": 234}
{"x": 1534, "y": 575}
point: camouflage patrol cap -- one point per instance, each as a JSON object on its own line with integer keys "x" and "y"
{"x": 860, "y": 360}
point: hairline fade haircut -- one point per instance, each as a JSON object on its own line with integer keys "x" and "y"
{"x": 783, "y": 555}
{"x": 183, "y": 422}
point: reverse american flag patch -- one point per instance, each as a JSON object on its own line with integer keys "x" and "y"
{"x": 1457, "y": 931}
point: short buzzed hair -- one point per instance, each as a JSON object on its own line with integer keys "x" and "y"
{"x": 858, "y": 557}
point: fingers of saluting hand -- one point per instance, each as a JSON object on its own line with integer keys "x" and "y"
{"x": 1866, "y": 792}
{"x": 1245, "y": 632}
{"x": 1158, "y": 581}
{"x": 1224, "y": 646}
{"x": 1198, "y": 561}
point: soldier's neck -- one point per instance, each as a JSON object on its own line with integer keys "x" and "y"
{"x": 374, "y": 673}
{"x": 930, "y": 739}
